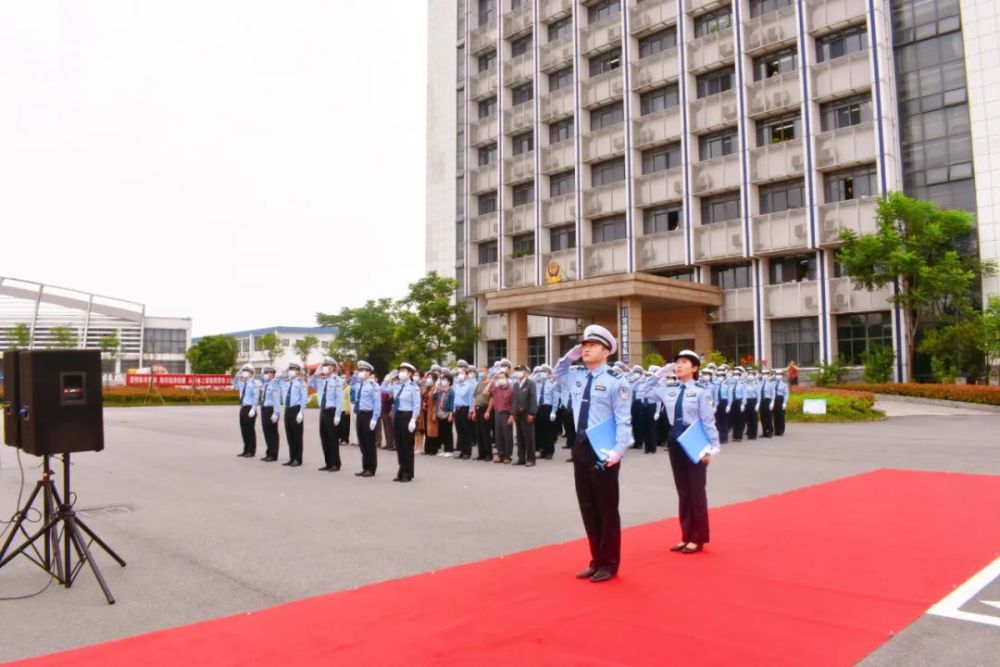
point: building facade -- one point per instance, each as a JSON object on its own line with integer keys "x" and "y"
{"x": 250, "y": 351}
{"x": 59, "y": 317}
{"x": 680, "y": 170}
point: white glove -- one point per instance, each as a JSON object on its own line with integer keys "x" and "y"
{"x": 656, "y": 415}
{"x": 613, "y": 457}
{"x": 336, "y": 420}
{"x": 576, "y": 352}
{"x": 374, "y": 423}
{"x": 299, "y": 417}
{"x": 665, "y": 371}
{"x": 727, "y": 409}
{"x": 252, "y": 413}
{"x": 274, "y": 418}
{"x": 412, "y": 425}
{"x": 772, "y": 405}
{"x": 552, "y": 415}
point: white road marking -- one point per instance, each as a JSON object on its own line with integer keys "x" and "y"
{"x": 950, "y": 606}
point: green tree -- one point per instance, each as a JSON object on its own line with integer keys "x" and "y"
{"x": 213, "y": 354}
{"x": 991, "y": 335}
{"x": 63, "y": 338}
{"x": 109, "y": 344}
{"x": 433, "y": 325}
{"x": 878, "y": 360}
{"x": 369, "y": 332}
{"x": 304, "y": 347}
{"x": 653, "y": 359}
{"x": 271, "y": 345}
{"x": 956, "y": 346}
{"x": 914, "y": 248}
{"x": 18, "y": 337}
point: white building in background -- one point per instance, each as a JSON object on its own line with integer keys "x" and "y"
{"x": 250, "y": 352}
{"x": 145, "y": 340}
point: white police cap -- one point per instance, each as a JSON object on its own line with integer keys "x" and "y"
{"x": 689, "y": 355}
{"x": 365, "y": 366}
{"x": 595, "y": 333}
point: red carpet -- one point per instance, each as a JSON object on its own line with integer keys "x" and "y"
{"x": 819, "y": 576}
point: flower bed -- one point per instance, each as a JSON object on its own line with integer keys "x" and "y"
{"x": 842, "y": 405}
{"x": 970, "y": 393}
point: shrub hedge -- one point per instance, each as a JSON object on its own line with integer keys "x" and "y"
{"x": 970, "y": 393}
{"x": 841, "y": 405}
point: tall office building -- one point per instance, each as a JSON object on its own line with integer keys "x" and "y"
{"x": 680, "y": 170}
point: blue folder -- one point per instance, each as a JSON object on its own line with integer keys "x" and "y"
{"x": 602, "y": 436}
{"x": 694, "y": 441}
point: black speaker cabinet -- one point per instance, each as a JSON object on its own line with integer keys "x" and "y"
{"x": 11, "y": 399}
{"x": 61, "y": 407}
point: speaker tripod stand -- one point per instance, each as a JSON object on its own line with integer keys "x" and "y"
{"x": 57, "y": 547}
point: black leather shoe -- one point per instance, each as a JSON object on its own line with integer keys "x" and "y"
{"x": 529, "y": 464}
{"x": 288, "y": 463}
{"x": 324, "y": 468}
{"x": 333, "y": 468}
{"x": 586, "y": 574}
{"x": 242, "y": 455}
{"x": 295, "y": 464}
{"x": 601, "y": 575}
{"x": 679, "y": 546}
{"x": 691, "y": 550}
{"x": 367, "y": 473}
{"x": 360, "y": 474}
{"x": 397, "y": 478}
{"x": 518, "y": 463}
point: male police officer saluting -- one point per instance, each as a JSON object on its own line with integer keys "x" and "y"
{"x": 405, "y": 406}
{"x": 330, "y": 393}
{"x": 270, "y": 413}
{"x": 598, "y": 393}
{"x": 368, "y": 408}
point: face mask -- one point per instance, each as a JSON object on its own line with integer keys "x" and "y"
{"x": 428, "y": 382}
{"x": 268, "y": 377}
{"x": 501, "y": 382}
{"x": 404, "y": 375}
{"x": 292, "y": 374}
{"x": 246, "y": 375}
{"x": 445, "y": 384}
{"x": 518, "y": 375}
{"x": 363, "y": 375}
{"x": 480, "y": 375}
{"x": 461, "y": 377}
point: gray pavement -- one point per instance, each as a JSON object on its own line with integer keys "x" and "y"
{"x": 208, "y": 534}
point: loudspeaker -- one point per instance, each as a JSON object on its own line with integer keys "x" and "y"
{"x": 61, "y": 409}
{"x": 11, "y": 399}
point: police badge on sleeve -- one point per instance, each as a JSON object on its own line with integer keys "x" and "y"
{"x": 624, "y": 392}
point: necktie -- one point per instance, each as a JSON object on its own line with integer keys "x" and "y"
{"x": 243, "y": 394}
{"x": 323, "y": 404}
{"x": 679, "y": 413}
{"x": 584, "y": 417}
{"x": 288, "y": 399}
{"x": 263, "y": 393}
{"x": 541, "y": 400}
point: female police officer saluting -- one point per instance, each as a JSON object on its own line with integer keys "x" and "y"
{"x": 685, "y": 404}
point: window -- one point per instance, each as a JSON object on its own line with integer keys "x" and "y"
{"x": 487, "y": 11}
{"x": 661, "y": 219}
{"x": 661, "y": 158}
{"x": 706, "y": 24}
{"x": 487, "y": 203}
{"x": 495, "y": 351}
{"x": 561, "y": 79}
{"x": 488, "y": 108}
{"x": 561, "y": 28}
{"x": 687, "y": 275}
{"x": 850, "y": 183}
{"x": 795, "y": 339}
{"x": 605, "y": 62}
{"x": 658, "y": 100}
{"x": 733, "y": 276}
{"x": 522, "y": 93}
{"x": 603, "y": 10}
{"x": 561, "y": 131}
{"x": 488, "y": 252}
{"x": 522, "y": 143}
{"x": 610, "y": 171}
{"x": 487, "y": 61}
{"x": 777, "y": 130}
{"x": 734, "y": 340}
{"x": 793, "y": 269}
{"x": 715, "y": 82}
{"x": 712, "y": 146}
{"x": 514, "y": 4}
{"x": 562, "y": 238}
{"x": 720, "y": 207}
{"x": 861, "y": 331}
{"x": 846, "y": 112}
{"x": 772, "y": 64}
{"x": 606, "y": 116}
{"x": 164, "y": 341}
{"x": 460, "y": 196}
{"x": 658, "y": 42}
{"x": 487, "y": 155}
{"x": 841, "y": 43}
{"x": 523, "y": 245}
{"x": 520, "y": 46}
{"x": 562, "y": 183}
{"x": 523, "y": 194}
{"x": 536, "y": 353}
{"x": 782, "y": 196}
{"x": 760, "y": 7}
{"x": 609, "y": 229}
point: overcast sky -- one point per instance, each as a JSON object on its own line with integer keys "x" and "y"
{"x": 242, "y": 162}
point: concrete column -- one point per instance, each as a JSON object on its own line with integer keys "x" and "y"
{"x": 517, "y": 335}
{"x": 635, "y": 336}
